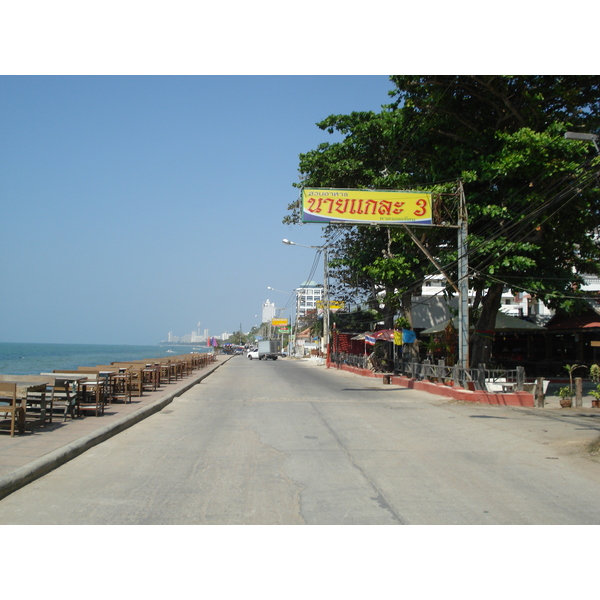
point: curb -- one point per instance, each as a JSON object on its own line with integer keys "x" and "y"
{"x": 39, "y": 467}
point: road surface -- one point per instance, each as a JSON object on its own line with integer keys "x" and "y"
{"x": 287, "y": 442}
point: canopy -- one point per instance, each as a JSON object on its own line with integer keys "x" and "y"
{"x": 504, "y": 322}
{"x": 383, "y": 334}
{"x": 395, "y": 336}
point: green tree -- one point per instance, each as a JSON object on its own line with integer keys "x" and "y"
{"x": 374, "y": 265}
{"x": 532, "y": 196}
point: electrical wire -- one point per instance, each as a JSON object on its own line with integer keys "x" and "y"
{"x": 521, "y": 227}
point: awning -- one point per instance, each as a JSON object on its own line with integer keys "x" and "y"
{"x": 588, "y": 320}
{"x": 504, "y": 322}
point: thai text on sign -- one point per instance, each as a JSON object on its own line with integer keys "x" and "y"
{"x": 320, "y": 205}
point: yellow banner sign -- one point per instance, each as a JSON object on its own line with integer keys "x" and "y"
{"x": 333, "y": 305}
{"x": 279, "y": 322}
{"x": 321, "y": 205}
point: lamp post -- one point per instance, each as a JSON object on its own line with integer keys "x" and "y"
{"x": 325, "y": 290}
{"x": 282, "y": 309}
{"x": 584, "y": 137}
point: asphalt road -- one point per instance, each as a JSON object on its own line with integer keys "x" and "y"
{"x": 286, "y": 442}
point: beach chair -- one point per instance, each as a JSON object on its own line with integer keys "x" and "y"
{"x": 39, "y": 404}
{"x": 63, "y": 398}
{"x": 9, "y": 406}
{"x": 121, "y": 387}
{"x": 136, "y": 383}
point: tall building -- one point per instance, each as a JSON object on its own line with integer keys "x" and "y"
{"x": 307, "y": 296}
{"x": 268, "y": 311}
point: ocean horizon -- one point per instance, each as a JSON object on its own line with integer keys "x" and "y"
{"x": 33, "y": 359}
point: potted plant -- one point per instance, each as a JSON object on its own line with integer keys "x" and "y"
{"x": 572, "y": 368}
{"x": 566, "y": 393}
{"x": 596, "y": 394}
{"x": 566, "y": 396}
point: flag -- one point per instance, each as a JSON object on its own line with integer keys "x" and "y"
{"x": 397, "y": 338}
{"x": 369, "y": 339}
{"x": 408, "y": 336}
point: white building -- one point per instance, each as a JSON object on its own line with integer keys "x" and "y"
{"x": 307, "y": 296}
{"x": 431, "y": 307}
{"x": 268, "y": 311}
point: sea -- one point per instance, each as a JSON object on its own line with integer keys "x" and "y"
{"x": 33, "y": 359}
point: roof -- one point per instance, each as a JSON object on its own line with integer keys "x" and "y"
{"x": 588, "y": 320}
{"x": 504, "y": 322}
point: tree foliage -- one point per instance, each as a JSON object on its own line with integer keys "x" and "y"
{"x": 532, "y": 196}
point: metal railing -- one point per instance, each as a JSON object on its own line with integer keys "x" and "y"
{"x": 481, "y": 378}
{"x": 359, "y": 361}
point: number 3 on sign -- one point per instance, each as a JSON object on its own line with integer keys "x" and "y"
{"x": 422, "y": 204}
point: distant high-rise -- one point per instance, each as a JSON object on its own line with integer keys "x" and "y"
{"x": 308, "y": 294}
{"x": 268, "y": 311}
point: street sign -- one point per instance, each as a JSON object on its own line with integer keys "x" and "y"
{"x": 323, "y": 205}
{"x": 278, "y": 322}
{"x": 333, "y": 305}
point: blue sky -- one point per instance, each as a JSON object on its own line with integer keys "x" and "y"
{"x": 133, "y": 206}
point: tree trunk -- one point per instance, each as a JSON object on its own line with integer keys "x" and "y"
{"x": 413, "y": 349}
{"x": 389, "y": 308}
{"x": 482, "y": 337}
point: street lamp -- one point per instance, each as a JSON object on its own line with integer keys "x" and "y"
{"x": 276, "y": 290}
{"x": 584, "y": 137}
{"x": 283, "y": 309}
{"x": 325, "y": 290}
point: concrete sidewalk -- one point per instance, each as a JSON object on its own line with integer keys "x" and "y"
{"x": 24, "y": 458}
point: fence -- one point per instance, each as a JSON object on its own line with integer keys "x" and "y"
{"x": 481, "y": 378}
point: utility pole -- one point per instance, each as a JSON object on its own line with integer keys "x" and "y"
{"x": 325, "y": 304}
{"x": 463, "y": 283}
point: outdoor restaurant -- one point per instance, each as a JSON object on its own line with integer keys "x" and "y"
{"x": 31, "y": 401}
